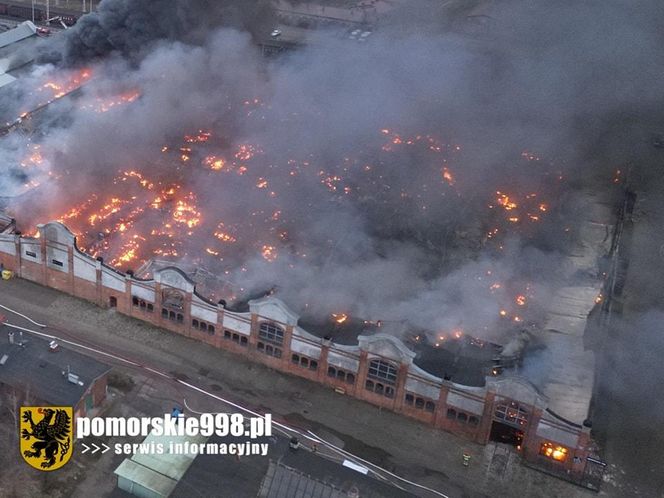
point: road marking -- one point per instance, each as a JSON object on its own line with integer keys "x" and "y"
{"x": 22, "y": 315}
{"x": 310, "y": 436}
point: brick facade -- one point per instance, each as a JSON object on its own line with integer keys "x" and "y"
{"x": 171, "y": 302}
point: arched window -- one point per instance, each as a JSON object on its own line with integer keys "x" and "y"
{"x": 350, "y": 378}
{"x": 512, "y": 413}
{"x": 419, "y": 403}
{"x": 295, "y": 359}
{"x": 383, "y": 371}
{"x": 331, "y": 372}
{"x": 430, "y": 406}
{"x": 451, "y": 413}
{"x": 462, "y": 417}
{"x": 271, "y": 332}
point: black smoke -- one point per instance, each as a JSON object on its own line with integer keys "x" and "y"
{"x": 130, "y": 28}
{"x": 554, "y": 81}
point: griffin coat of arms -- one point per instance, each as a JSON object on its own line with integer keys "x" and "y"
{"x": 47, "y": 443}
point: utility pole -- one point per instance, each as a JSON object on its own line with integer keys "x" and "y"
{"x": 48, "y": 12}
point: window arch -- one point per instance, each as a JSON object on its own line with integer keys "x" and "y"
{"x": 272, "y": 332}
{"x": 383, "y": 371}
{"x": 512, "y": 413}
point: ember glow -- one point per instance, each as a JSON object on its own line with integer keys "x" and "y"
{"x": 339, "y": 317}
{"x": 518, "y": 209}
{"x": 447, "y": 176}
{"x": 102, "y": 104}
{"x": 64, "y": 84}
{"x": 232, "y": 184}
{"x": 140, "y": 215}
{"x": 269, "y": 253}
{"x": 555, "y": 452}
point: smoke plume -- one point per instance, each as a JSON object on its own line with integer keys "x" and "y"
{"x": 372, "y": 179}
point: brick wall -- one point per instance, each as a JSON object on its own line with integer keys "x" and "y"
{"x": 143, "y": 300}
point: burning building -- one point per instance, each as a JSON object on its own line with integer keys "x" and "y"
{"x": 435, "y": 220}
{"x": 472, "y": 387}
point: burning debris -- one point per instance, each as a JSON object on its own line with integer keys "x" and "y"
{"x": 264, "y": 173}
{"x": 339, "y": 317}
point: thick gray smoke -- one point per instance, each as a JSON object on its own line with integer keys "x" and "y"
{"x": 361, "y": 220}
{"x": 350, "y": 143}
{"x": 130, "y": 27}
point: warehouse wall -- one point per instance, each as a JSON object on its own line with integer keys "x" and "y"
{"x": 170, "y": 301}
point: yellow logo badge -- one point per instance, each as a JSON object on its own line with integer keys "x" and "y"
{"x": 47, "y": 436}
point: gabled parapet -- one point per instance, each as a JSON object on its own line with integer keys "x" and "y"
{"x": 174, "y": 277}
{"x": 386, "y": 346}
{"x": 515, "y": 387}
{"x": 379, "y": 369}
{"x": 273, "y": 308}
